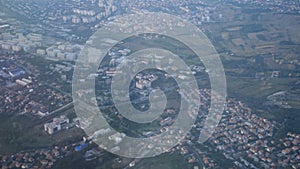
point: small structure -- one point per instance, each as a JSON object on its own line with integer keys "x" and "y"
{"x": 81, "y": 147}
{"x": 142, "y": 84}
{"x": 16, "y": 72}
{"x": 117, "y": 137}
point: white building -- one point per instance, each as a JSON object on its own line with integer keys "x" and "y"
{"x": 40, "y": 51}
{"x": 56, "y": 125}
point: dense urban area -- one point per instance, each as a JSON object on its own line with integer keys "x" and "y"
{"x": 258, "y": 42}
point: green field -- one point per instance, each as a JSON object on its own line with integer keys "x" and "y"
{"x": 23, "y": 132}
